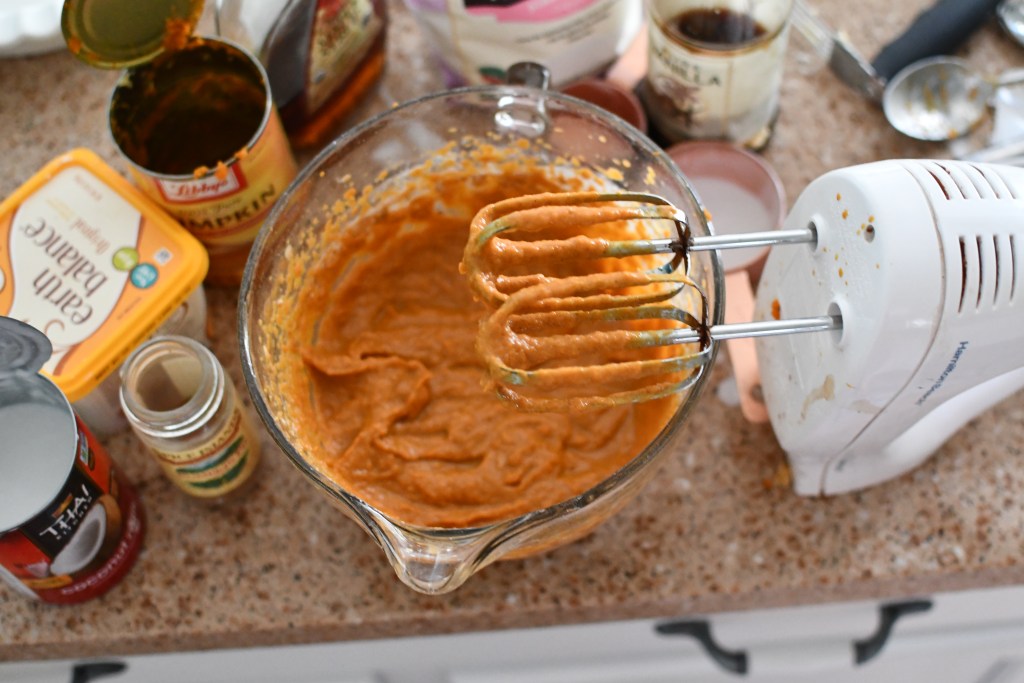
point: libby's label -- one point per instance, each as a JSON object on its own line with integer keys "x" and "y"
{"x": 76, "y": 257}
{"x": 692, "y": 91}
{"x": 192, "y": 190}
{"x": 217, "y": 467}
{"x": 84, "y": 541}
{"x": 227, "y": 206}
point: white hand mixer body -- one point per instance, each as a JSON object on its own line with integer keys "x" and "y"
{"x": 921, "y": 260}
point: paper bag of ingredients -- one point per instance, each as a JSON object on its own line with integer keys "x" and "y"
{"x": 477, "y": 40}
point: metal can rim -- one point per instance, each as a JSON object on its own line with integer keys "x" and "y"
{"x": 268, "y": 109}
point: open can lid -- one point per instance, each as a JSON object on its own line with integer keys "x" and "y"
{"x": 23, "y": 348}
{"x": 113, "y": 34}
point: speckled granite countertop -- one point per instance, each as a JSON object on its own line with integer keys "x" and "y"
{"x": 705, "y": 536}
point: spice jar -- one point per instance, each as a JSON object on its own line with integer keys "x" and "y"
{"x": 181, "y": 404}
{"x": 194, "y": 119}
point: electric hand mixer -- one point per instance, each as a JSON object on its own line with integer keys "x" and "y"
{"x": 908, "y": 272}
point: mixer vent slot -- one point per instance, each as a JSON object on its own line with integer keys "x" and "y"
{"x": 969, "y": 181}
{"x": 1013, "y": 267}
{"x": 1005, "y": 281}
{"x": 995, "y": 180}
{"x": 961, "y": 186}
{"x": 995, "y": 267}
{"x": 988, "y": 270}
{"x": 938, "y": 181}
{"x": 963, "y": 273}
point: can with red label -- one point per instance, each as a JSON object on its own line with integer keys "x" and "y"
{"x": 70, "y": 525}
{"x": 194, "y": 118}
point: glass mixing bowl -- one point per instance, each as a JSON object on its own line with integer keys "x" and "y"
{"x": 570, "y": 135}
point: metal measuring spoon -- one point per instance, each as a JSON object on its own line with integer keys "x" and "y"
{"x": 940, "y": 98}
{"x": 1011, "y": 17}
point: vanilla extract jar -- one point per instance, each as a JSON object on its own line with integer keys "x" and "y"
{"x": 715, "y": 68}
{"x": 193, "y": 117}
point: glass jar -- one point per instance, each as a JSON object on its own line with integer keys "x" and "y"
{"x": 180, "y": 403}
{"x": 715, "y": 68}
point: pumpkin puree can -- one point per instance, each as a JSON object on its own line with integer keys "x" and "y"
{"x": 195, "y": 120}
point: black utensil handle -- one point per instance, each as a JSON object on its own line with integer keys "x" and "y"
{"x": 91, "y": 671}
{"x": 939, "y": 30}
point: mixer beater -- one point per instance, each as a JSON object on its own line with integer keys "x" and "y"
{"x": 582, "y": 318}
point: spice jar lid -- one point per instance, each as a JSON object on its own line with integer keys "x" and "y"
{"x": 113, "y": 34}
{"x": 23, "y": 348}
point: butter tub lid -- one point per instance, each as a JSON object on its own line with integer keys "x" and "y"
{"x": 93, "y": 264}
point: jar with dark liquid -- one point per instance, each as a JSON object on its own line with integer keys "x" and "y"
{"x": 719, "y": 27}
{"x": 715, "y": 67}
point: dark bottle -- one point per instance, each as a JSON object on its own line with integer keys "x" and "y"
{"x": 322, "y": 56}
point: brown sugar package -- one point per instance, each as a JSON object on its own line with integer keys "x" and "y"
{"x": 477, "y": 40}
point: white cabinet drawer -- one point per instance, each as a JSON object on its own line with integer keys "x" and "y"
{"x": 969, "y": 637}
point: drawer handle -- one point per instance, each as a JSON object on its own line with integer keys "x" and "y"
{"x": 736, "y": 662}
{"x": 91, "y": 671}
{"x": 867, "y": 649}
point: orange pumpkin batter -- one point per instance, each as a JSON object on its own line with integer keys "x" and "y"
{"x": 389, "y": 388}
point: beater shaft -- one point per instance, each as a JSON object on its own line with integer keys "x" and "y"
{"x": 766, "y": 238}
{"x": 771, "y": 328}
{"x": 762, "y": 328}
{"x": 667, "y": 245}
